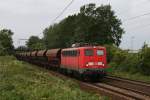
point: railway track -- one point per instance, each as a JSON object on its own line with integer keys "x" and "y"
{"x": 114, "y": 92}
{"x": 114, "y": 87}
{"x": 135, "y": 86}
{"x": 120, "y": 88}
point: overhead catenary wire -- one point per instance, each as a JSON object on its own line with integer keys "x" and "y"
{"x": 61, "y": 12}
{"x": 132, "y": 18}
{"x": 139, "y": 27}
{"x": 138, "y": 16}
{"x": 129, "y": 19}
{"x": 125, "y": 21}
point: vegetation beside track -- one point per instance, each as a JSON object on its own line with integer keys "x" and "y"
{"x": 22, "y": 81}
{"x": 130, "y": 65}
{"x": 136, "y": 76}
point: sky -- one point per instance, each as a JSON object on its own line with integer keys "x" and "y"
{"x": 30, "y": 17}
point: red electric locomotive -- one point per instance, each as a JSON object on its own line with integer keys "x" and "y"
{"x": 86, "y": 61}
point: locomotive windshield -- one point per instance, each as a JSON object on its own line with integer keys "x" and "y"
{"x": 89, "y": 52}
{"x": 100, "y": 52}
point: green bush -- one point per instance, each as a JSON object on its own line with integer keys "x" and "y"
{"x": 110, "y": 52}
{"x": 2, "y": 50}
{"x": 124, "y": 61}
{"x": 119, "y": 56}
{"x": 145, "y": 61}
{"x": 130, "y": 63}
{"x": 115, "y": 55}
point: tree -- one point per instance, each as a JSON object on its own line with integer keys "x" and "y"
{"x": 35, "y": 43}
{"x": 6, "y": 43}
{"x": 1, "y": 50}
{"x": 91, "y": 25}
{"x": 100, "y": 24}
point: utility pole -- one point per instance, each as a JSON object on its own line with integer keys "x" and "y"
{"x": 108, "y": 2}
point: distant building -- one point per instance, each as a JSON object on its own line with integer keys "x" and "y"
{"x": 132, "y": 51}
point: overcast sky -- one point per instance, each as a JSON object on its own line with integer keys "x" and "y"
{"x": 30, "y": 17}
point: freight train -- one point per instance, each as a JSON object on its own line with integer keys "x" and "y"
{"x": 83, "y": 62}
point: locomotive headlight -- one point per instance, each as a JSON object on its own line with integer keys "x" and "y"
{"x": 87, "y": 65}
{"x": 100, "y": 63}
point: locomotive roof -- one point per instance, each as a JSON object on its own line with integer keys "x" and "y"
{"x": 88, "y": 47}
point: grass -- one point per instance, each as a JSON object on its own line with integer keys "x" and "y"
{"x": 22, "y": 81}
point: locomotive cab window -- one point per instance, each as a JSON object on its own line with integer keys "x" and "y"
{"x": 100, "y": 52}
{"x": 70, "y": 53}
{"x": 89, "y": 52}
